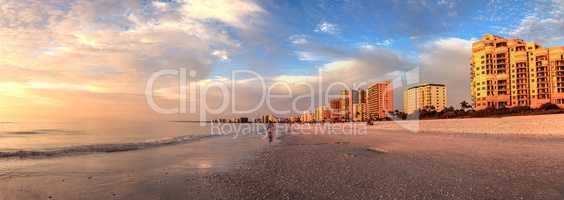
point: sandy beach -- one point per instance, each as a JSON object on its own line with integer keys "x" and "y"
{"x": 514, "y": 125}
{"x": 403, "y": 165}
{"x": 382, "y": 164}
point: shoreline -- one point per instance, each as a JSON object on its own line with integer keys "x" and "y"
{"x": 166, "y": 172}
{"x": 101, "y": 148}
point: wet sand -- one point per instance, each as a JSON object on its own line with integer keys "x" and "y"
{"x": 379, "y": 165}
{"x": 169, "y": 172}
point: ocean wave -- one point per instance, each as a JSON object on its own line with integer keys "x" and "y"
{"x": 102, "y": 148}
{"x": 43, "y": 131}
{"x": 26, "y": 132}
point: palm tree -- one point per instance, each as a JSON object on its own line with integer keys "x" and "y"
{"x": 465, "y": 105}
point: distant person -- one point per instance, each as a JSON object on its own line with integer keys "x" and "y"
{"x": 270, "y": 131}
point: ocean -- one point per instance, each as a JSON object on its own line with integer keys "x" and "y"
{"x": 64, "y": 136}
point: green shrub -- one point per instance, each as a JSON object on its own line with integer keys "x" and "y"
{"x": 549, "y": 106}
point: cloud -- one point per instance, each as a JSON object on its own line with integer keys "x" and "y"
{"x": 307, "y": 56}
{"x": 221, "y": 54}
{"x": 369, "y": 46}
{"x": 545, "y": 24}
{"x": 111, "y": 47}
{"x": 385, "y": 43}
{"x": 442, "y": 61}
{"x": 326, "y": 27}
{"x": 298, "y": 39}
{"x": 447, "y": 61}
{"x": 235, "y": 13}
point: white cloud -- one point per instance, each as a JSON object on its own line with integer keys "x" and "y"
{"x": 221, "y": 54}
{"x": 371, "y": 46}
{"x": 385, "y": 43}
{"x": 447, "y": 61}
{"x": 298, "y": 39}
{"x": 326, "y": 27}
{"x": 161, "y": 6}
{"x": 545, "y": 24}
{"x": 450, "y": 5}
{"x": 367, "y": 47}
{"x": 307, "y": 56}
{"x": 235, "y": 13}
{"x": 111, "y": 47}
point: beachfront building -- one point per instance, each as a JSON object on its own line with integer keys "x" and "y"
{"x": 359, "y": 109}
{"x": 243, "y": 120}
{"x": 306, "y": 117}
{"x": 425, "y": 96}
{"x": 347, "y": 99}
{"x": 268, "y": 118}
{"x": 322, "y": 114}
{"x": 344, "y": 103}
{"x": 379, "y": 99}
{"x": 359, "y": 112}
{"x": 513, "y": 72}
{"x": 335, "y": 107}
{"x": 294, "y": 118}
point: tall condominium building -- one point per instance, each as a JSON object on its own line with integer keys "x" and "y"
{"x": 379, "y": 99}
{"x": 306, "y": 117}
{"x": 362, "y": 96}
{"x": 294, "y": 118}
{"x": 359, "y": 112}
{"x": 513, "y": 72}
{"x": 344, "y": 102}
{"x": 347, "y": 99}
{"x": 335, "y": 105}
{"x": 322, "y": 114}
{"x": 359, "y": 109}
{"x": 268, "y": 118}
{"x": 425, "y": 96}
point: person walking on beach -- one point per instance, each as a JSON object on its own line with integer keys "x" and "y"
{"x": 270, "y": 131}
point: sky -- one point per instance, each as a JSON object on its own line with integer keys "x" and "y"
{"x": 77, "y": 59}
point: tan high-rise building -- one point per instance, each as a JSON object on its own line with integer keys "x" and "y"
{"x": 512, "y": 72}
{"x": 379, "y": 99}
{"x": 347, "y": 99}
{"x": 322, "y": 114}
{"x": 294, "y": 118}
{"x": 359, "y": 112}
{"x": 306, "y": 117}
{"x": 425, "y": 96}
